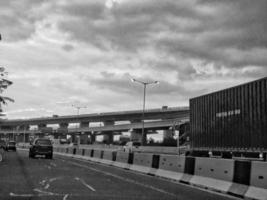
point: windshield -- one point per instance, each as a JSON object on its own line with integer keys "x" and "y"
{"x": 43, "y": 142}
{"x": 12, "y": 143}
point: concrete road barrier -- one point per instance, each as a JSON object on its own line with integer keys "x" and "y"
{"x": 97, "y": 155}
{"x": 122, "y": 159}
{"x": 171, "y": 166}
{"x": 142, "y": 162}
{"x": 108, "y": 157}
{"x": 258, "y": 181}
{"x": 236, "y": 177}
{"x": 216, "y": 174}
{"x": 241, "y": 180}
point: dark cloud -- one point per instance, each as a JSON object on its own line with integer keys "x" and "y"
{"x": 221, "y": 32}
{"x": 68, "y": 47}
{"x": 17, "y": 18}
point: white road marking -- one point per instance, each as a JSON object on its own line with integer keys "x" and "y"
{"x": 54, "y": 179}
{"x": 47, "y": 186}
{"x": 53, "y": 164}
{"x": 65, "y": 197}
{"x": 47, "y": 193}
{"x": 20, "y": 195}
{"x": 42, "y": 182}
{"x": 125, "y": 179}
{"x": 85, "y": 184}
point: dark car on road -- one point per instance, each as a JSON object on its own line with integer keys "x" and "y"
{"x": 11, "y": 145}
{"x": 41, "y": 146}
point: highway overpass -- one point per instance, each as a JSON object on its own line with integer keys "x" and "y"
{"x": 109, "y": 123}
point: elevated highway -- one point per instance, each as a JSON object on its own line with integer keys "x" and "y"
{"x": 108, "y": 123}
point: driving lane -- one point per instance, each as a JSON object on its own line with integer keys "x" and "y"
{"x": 66, "y": 179}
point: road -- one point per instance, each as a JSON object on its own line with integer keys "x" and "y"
{"x": 68, "y": 179}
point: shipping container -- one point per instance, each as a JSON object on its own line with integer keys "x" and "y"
{"x": 233, "y": 119}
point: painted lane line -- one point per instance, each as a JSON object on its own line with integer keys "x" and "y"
{"x": 125, "y": 179}
{"x": 53, "y": 164}
{"x": 47, "y": 186}
{"x": 65, "y": 197}
{"x": 54, "y": 179}
{"x": 85, "y": 184}
{"x": 46, "y": 193}
{"x": 42, "y": 182}
{"x": 20, "y": 195}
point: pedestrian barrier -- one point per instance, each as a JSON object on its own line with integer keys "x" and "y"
{"x": 142, "y": 162}
{"x": 258, "y": 181}
{"x": 171, "y": 166}
{"x": 215, "y": 174}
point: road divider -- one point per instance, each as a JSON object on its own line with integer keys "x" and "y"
{"x": 242, "y": 178}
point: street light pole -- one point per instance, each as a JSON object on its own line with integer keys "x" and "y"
{"x": 144, "y": 104}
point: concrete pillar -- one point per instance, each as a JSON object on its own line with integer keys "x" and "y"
{"x": 40, "y": 126}
{"x": 62, "y": 131}
{"x": 136, "y": 135}
{"x": 84, "y": 124}
{"x": 167, "y": 134}
{"x": 108, "y": 138}
{"x": 109, "y": 123}
{"x": 136, "y": 121}
{"x": 92, "y": 138}
{"x": 84, "y": 138}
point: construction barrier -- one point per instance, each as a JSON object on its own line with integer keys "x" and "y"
{"x": 122, "y": 160}
{"x": 142, "y": 162}
{"x": 215, "y": 174}
{"x": 258, "y": 181}
{"x": 171, "y": 166}
{"x": 108, "y": 157}
{"x": 242, "y": 178}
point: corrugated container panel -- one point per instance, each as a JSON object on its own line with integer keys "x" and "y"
{"x": 264, "y": 121}
{"x": 231, "y": 118}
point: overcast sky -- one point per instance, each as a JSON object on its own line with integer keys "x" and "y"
{"x": 62, "y": 52}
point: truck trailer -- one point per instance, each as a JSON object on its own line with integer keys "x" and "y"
{"x": 230, "y": 122}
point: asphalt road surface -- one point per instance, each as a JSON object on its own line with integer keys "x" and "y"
{"x": 67, "y": 179}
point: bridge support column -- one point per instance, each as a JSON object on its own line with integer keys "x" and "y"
{"x": 167, "y": 134}
{"x": 84, "y": 138}
{"x": 92, "y": 137}
{"x": 84, "y": 124}
{"x": 136, "y": 135}
{"x": 62, "y": 131}
{"x": 108, "y": 137}
{"x": 40, "y": 128}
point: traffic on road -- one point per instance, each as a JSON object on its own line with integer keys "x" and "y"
{"x": 65, "y": 178}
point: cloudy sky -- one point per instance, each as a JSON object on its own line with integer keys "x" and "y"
{"x": 84, "y": 52}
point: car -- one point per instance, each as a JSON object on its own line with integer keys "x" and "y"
{"x": 11, "y": 145}
{"x": 41, "y": 146}
{"x": 130, "y": 146}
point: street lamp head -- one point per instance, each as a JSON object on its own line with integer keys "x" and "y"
{"x": 156, "y": 82}
{"x": 133, "y": 80}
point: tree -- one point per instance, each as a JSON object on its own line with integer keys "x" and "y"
{"x": 4, "y": 83}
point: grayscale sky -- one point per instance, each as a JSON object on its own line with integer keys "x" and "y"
{"x": 64, "y": 52}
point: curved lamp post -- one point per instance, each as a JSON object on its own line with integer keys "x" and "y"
{"x": 145, "y": 84}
